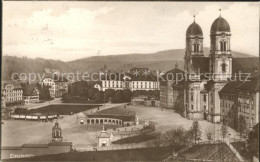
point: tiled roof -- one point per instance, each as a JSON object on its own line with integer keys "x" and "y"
{"x": 142, "y": 77}
{"x": 194, "y": 29}
{"x": 230, "y": 87}
{"x": 16, "y": 85}
{"x": 172, "y": 73}
{"x": 220, "y": 25}
{"x": 252, "y": 85}
{"x": 29, "y": 89}
{"x": 201, "y": 64}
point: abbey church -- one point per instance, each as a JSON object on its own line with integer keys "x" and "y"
{"x": 208, "y": 75}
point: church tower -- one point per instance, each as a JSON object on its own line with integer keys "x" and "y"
{"x": 220, "y": 64}
{"x": 220, "y": 51}
{"x": 194, "y": 44}
{"x": 56, "y": 133}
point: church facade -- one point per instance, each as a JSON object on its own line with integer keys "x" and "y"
{"x": 206, "y": 75}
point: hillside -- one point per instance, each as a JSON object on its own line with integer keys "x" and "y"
{"x": 12, "y": 64}
{"x": 166, "y": 55}
{"x": 162, "y": 60}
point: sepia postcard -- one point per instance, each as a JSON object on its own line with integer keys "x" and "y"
{"x": 166, "y": 81}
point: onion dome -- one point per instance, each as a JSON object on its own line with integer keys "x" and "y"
{"x": 194, "y": 29}
{"x": 220, "y": 25}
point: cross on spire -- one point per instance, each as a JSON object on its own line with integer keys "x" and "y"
{"x": 219, "y": 12}
{"x": 194, "y": 16}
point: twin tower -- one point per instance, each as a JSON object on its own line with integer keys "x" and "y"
{"x": 220, "y": 58}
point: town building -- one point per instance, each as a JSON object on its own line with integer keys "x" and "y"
{"x": 61, "y": 86}
{"x": 13, "y": 94}
{"x": 116, "y": 81}
{"x": 58, "y": 85}
{"x": 144, "y": 82}
{"x": 229, "y": 104}
{"x": 248, "y": 102}
{"x": 49, "y": 82}
{"x": 167, "y": 95}
{"x": 30, "y": 93}
{"x": 3, "y": 98}
{"x": 121, "y": 81}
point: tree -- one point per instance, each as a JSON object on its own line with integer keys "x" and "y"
{"x": 178, "y": 138}
{"x": 109, "y": 93}
{"x": 127, "y": 95}
{"x": 224, "y": 131}
{"x": 99, "y": 97}
{"x": 118, "y": 97}
{"x": 195, "y": 131}
{"x": 241, "y": 126}
{"x": 210, "y": 133}
{"x": 92, "y": 92}
{"x": 252, "y": 141}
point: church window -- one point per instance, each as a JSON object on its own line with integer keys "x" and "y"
{"x": 191, "y": 107}
{"x": 191, "y": 97}
{"x": 223, "y": 67}
{"x": 196, "y": 47}
{"x": 223, "y": 46}
{"x": 204, "y": 97}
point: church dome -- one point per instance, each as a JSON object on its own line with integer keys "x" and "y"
{"x": 220, "y": 25}
{"x": 194, "y": 29}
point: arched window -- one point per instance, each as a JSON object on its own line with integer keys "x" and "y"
{"x": 191, "y": 97}
{"x": 196, "y": 47}
{"x": 223, "y": 45}
{"x": 204, "y": 97}
{"x": 223, "y": 67}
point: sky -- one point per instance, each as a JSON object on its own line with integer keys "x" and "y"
{"x": 73, "y": 30}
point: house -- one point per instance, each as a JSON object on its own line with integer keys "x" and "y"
{"x": 229, "y": 104}
{"x": 248, "y": 102}
{"x": 30, "y": 93}
{"x": 13, "y": 93}
{"x": 167, "y": 98}
{"x": 61, "y": 86}
{"x": 49, "y": 82}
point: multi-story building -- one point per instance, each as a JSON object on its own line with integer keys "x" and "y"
{"x": 130, "y": 81}
{"x": 13, "y": 93}
{"x": 229, "y": 104}
{"x": 115, "y": 81}
{"x": 30, "y": 93}
{"x": 49, "y": 82}
{"x": 61, "y": 86}
{"x": 3, "y": 102}
{"x": 144, "y": 82}
{"x": 248, "y": 102}
{"x": 167, "y": 95}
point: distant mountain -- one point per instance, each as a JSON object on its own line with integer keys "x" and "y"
{"x": 174, "y": 54}
{"x": 162, "y": 60}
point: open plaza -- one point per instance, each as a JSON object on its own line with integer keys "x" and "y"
{"x": 84, "y": 136}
